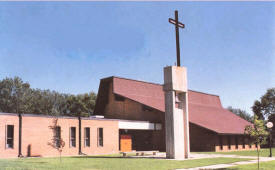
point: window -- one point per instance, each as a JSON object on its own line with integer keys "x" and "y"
{"x": 10, "y": 135}
{"x": 229, "y": 142}
{"x": 100, "y": 137}
{"x": 221, "y": 144}
{"x": 243, "y": 142}
{"x": 57, "y": 136}
{"x": 87, "y": 137}
{"x": 72, "y": 136}
{"x": 236, "y": 142}
{"x": 119, "y": 98}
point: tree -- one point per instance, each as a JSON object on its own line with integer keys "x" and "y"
{"x": 56, "y": 142}
{"x": 14, "y": 95}
{"x": 257, "y": 133}
{"x": 265, "y": 107}
{"x": 17, "y": 96}
{"x": 81, "y": 105}
{"x": 242, "y": 113}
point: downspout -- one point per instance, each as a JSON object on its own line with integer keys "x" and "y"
{"x": 79, "y": 128}
{"x": 20, "y": 136}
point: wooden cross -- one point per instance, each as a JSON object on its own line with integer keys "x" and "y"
{"x": 177, "y": 25}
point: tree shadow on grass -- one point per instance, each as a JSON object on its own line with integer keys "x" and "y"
{"x": 116, "y": 157}
{"x": 38, "y": 162}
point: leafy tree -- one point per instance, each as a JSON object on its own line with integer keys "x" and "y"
{"x": 242, "y": 113}
{"x": 265, "y": 107}
{"x": 81, "y": 105}
{"x": 16, "y": 96}
{"x": 257, "y": 133}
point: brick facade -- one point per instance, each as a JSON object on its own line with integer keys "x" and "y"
{"x": 11, "y": 119}
{"x": 37, "y": 135}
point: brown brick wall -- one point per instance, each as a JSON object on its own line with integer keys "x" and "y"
{"x": 201, "y": 139}
{"x": 4, "y": 121}
{"x": 36, "y": 136}
{"x": 225, "y": 143}
{"x": 129, "y": 109}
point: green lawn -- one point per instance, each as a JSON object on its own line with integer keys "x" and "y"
{"x": 263, "y": 166}
{"x": 263, "y": 152}
{"x": 107, "y": 163}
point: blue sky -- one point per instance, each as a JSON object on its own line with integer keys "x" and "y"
{"x": 228, "y": 47}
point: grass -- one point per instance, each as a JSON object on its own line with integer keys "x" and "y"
{"x": 263, "y": 166}
{"x": 109, "y": 162}
{"x": 263, "y": 152}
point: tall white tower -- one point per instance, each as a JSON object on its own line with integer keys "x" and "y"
{"x": 176, "y": 112}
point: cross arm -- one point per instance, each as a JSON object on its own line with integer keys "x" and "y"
{"x": 172, "y": 21}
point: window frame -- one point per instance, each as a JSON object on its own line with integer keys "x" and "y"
{"x": 8, "y": 138}
{"x": 87, "y": 144}
{"x": 100, "y": 137}
{"x": 72, "y": 139}
{"x": 57, "y": 136}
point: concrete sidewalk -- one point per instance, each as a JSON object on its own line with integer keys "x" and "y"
{"x": 217, "y": 166}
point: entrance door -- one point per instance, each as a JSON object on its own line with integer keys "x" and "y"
{"x": 125, "y": 143}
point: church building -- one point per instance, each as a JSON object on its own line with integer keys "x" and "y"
{"x": 129, "y": 115}
{"x": 211, "y": 127}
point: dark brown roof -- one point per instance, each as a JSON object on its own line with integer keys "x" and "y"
{"x": 205, "y": 110}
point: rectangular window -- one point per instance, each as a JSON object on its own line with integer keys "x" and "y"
{"x": 87, "y": 137}
{"x": 243, "y": 142}
{"x": 100, "y": 137}
{"x": 57, "y": 136}
{"x": 10, "y": 136}
{"x": 229, "y": 142}
{"x": 72, "y": 136}
{"x": 221, "y": 144}
{"x": 236, "y": 142}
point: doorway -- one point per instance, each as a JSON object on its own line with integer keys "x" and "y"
{"x": 125, "y": 143}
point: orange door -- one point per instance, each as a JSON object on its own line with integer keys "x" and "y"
{"x": 125, "y": 143}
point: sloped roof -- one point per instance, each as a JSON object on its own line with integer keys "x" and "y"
{"x": 205, "y": 110}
